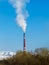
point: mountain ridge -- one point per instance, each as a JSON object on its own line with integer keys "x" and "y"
{"x": 6, "y": 54}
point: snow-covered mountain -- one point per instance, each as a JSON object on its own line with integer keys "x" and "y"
{"x": 6, "y": 54}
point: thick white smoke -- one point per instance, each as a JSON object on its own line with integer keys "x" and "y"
{"x": 21, "y": 12}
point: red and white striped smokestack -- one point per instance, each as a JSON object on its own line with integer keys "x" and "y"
{"x": 24, "y": 47}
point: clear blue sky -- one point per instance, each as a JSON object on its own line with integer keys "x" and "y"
{"x": 37, "y": 33}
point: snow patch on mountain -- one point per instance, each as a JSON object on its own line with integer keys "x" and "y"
{"x": 6, "y": 54}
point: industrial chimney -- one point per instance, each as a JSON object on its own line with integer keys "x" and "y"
{"x": 24, "y": 43}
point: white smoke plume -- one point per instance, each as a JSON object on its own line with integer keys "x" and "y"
{"x": 21, "y": 12}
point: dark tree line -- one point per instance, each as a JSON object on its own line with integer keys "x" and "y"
{"x": 27, "y": 58}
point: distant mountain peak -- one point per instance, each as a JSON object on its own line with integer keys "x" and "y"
{"x": 6, "y": 54}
